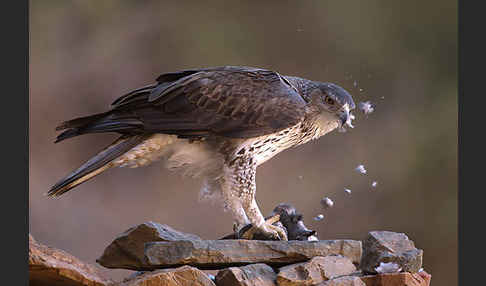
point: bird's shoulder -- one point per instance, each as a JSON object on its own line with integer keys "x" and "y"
{"x": 222, "y": 84}
{"x": 229, "y": 100}
{"x": 225, "y": 81}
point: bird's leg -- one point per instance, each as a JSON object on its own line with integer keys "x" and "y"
{"x": 236, "y": 208}
{"x": 260, "y": 225}
{"x": 239, "y": 189}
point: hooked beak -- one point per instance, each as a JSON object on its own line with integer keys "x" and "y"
{"x": 345, "y": 117}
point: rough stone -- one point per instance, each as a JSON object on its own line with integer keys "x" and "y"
{"x": 182, "y": 276}
{"x": 215, "y": 254}
{"x": 421, "y": 278}
{"x": 315, "y": 271}
{"x": 250, "y": 275}
{"x": 51, "y": 266}
{"x": 387, "y": 246}
{"x": 343, "y": 281}
{"x": 127, "y": 250}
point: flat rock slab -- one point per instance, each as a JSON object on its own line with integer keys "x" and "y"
{"x": 421, "y": 278}
{"x": 217, "y": 254}
{"x": 343, "y": 281}
{"x": 182, "y": 276}
{"x": 250, "y": 275}
{"x": 386, "y": 247}
{"x": 127, "y": 250}
{"x": 51, "y": 266}
{"x": 315, "y": 271}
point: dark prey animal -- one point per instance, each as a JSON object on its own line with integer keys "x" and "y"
{"x": 217, "y": 123}
{"x": 293, "y": 222}
{"x": 289, "y": 220}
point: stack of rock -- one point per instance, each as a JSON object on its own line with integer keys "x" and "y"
{"x": 51, "y": 266}
{"x": 164, "y": 256}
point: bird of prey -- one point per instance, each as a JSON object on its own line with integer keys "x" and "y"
{"x": 216, "y": 123}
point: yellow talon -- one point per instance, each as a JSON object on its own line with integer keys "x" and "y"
{"x": 268, "y": 230}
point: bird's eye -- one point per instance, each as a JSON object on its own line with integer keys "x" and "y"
{"x": 329, "y": 100}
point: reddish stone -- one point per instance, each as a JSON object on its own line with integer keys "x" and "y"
{"x": 343, "y": 281}
{"x": 315, "y": 271}
{"x": 421, "y": 278}
{"x": 181, "y": 276}
{"x": 51, "y": 266}
{"x": 250, "y": 275}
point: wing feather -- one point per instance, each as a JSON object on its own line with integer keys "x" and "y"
{"x": 229, "y": 101}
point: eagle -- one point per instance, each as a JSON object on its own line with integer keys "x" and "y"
{"x": 216, "y": 123}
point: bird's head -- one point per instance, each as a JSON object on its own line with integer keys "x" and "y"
{"x": 333, "y": 102}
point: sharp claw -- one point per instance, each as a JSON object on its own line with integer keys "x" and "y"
{"x": 268, "y": 229}
{"x": 283, "y": 236}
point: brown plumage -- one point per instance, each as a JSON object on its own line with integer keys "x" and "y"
{"x": 219, "y": 123}
{"x": 229, "y": 101}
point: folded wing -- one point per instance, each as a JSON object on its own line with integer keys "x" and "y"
{"x": 233, "y": 102}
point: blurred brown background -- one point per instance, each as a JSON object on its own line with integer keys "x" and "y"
{"x": 401, "y": 55}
